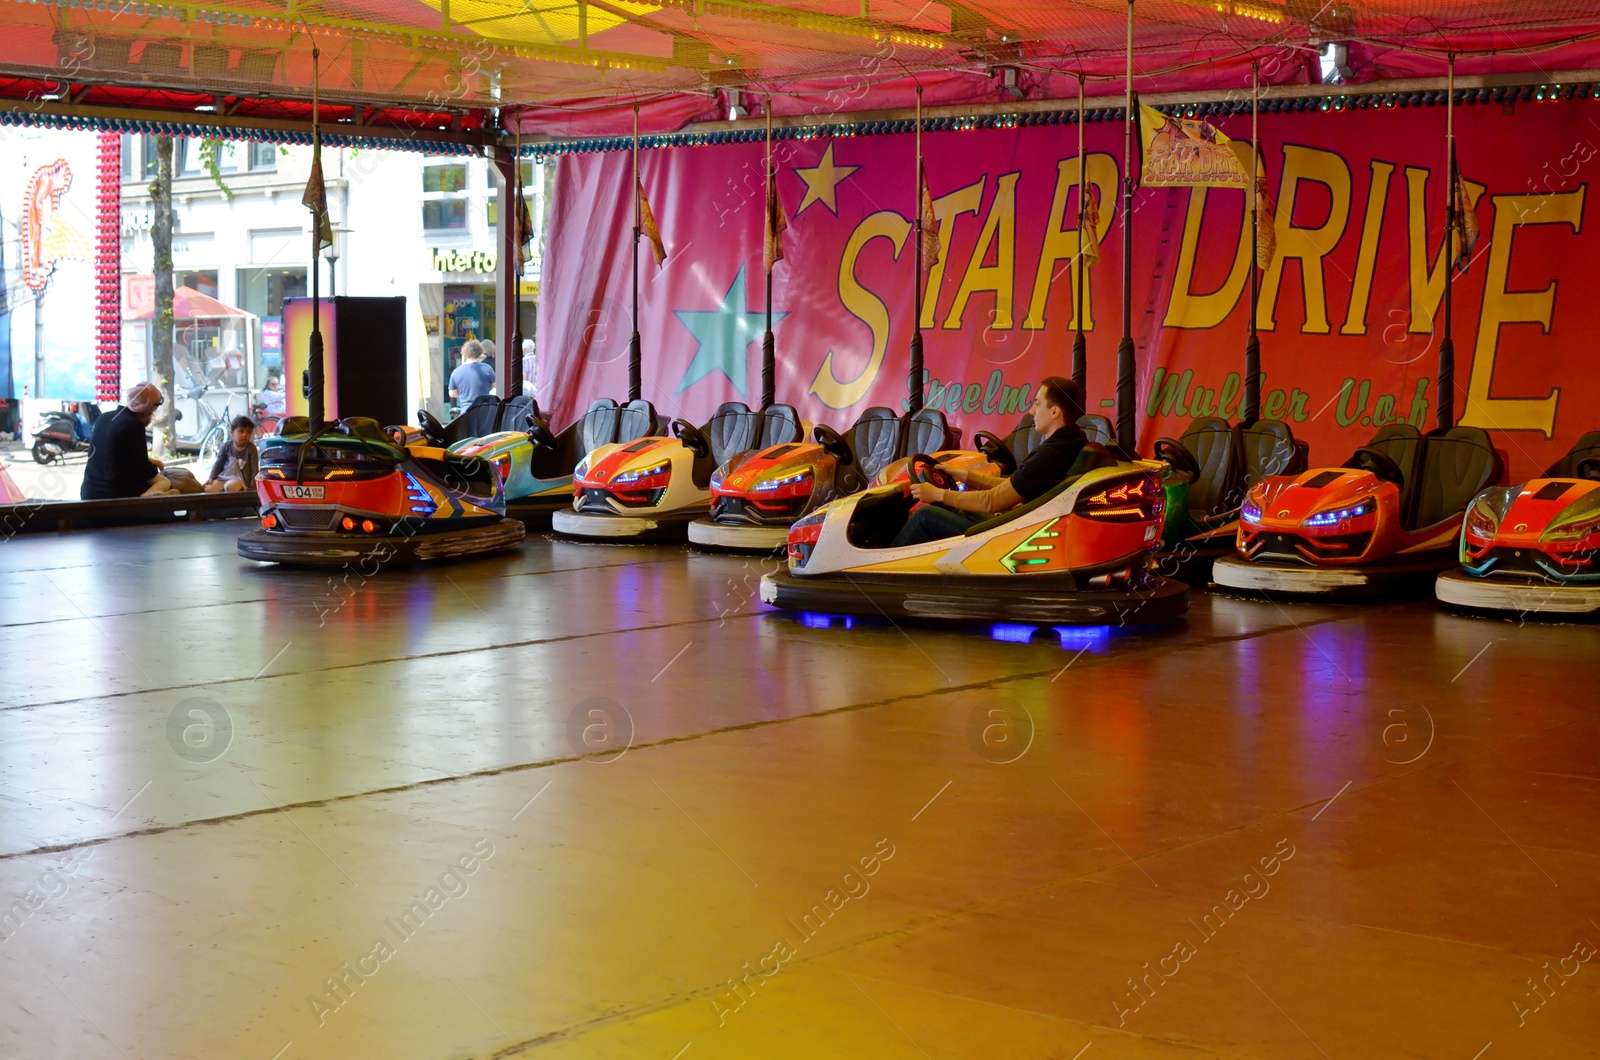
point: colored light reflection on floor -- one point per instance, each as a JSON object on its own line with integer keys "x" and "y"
{"x": 1070, "y": 636}
{"x": 813, "y": 620}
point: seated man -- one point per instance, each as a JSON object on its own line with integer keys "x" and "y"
{"x": 1057, "y": 405}
{"x": 273, "y": 399}
{"x": 119, "y": 462}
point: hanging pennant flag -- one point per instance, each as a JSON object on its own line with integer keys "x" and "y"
{"x": 1465, "y": 237}
{"x": 315, "y": 198}
{"x": 524, "y": 230}
{"x": 1266, "y": 226}
{"x": 777, "y": 224}
{"x": 647, "y": 225}
{"x": 1089, "y": 237}
{"x": 1185, "y": 153}
{"x": 930, "y": 230}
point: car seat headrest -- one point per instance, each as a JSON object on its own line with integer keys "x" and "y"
{"x": 874, "y": 439}
{"x": 733, "y": 428}
{"x": 1096, "y": 428}
{"x": 598, "y": 426}
{"x": 635, "y": 420}
{"x": 1567, "y": 467}
{"x": 925, "y": 432}
{"x": 780, "y": 425}
{"x": 1213, "y": 444}
{"x": 1266, "y": 448}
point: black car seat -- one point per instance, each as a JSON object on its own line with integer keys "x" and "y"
{"x": 780, "y": 425}
{"x": 1585, "y": 448}
{"x": 1401, "y": 443}
{"x": 874, "y": 439}
{"x": 1456, "y": 465}
{"x": 1214, "y": 446}
{"x": 924, "y": 431}
{"x": 733, "y": 428}
{"x": 597, "y": 427}
{"x": 1267, "y": 447}
{"x": 515, "y": 413}
{"x": 635, "y": 420}
{"x": 476, "y": 420}
{"x": 1096, "y": 428}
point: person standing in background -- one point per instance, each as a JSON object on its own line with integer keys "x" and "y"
{"x": 473, "y": 378}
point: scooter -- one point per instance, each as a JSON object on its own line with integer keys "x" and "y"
{"x": 62, "y": 434}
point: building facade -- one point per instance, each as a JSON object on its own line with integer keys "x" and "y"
{"x": 409, "y": 224}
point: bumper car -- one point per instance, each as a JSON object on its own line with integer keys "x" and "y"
{"x": 1534, "y": 548}
{"x": 1076, "y": 555}
{"x": 535, "y": 464}
{"x": 1207, "y": 473}
{"x": 652, "y": 488}
{"x": 1388, "y": 518}
{"x": 349, "y": 495}
{"x": 756, "y": 495}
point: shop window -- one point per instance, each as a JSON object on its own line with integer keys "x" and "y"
{"x": 127, "y": 156}
{"x": 444, "y": 215}
{"x": 262, "y": 290}
{"x": 147, "y": 157}
{"x": 202, "y": 280}
{"x": 447, "y": 178}
{"x": 190, "y": 164}
{"x": 263, "y": 157}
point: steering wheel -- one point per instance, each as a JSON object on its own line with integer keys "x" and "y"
{"x": 924, "y": 468}
{"x": 397, "y": 435}
{"x": 691, "y": 437}
{"x": 432, "y": 429}
{"x": 832, "y": 444}
{"x": 539, "y": 433}
{"x": 1589, "y": 467}
{"x": 995, "y": 448}
{"x": 1175, "y": 456}
{"x": 1379, "y": 463}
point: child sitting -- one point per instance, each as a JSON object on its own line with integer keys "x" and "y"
{"x": 236, "y": 466}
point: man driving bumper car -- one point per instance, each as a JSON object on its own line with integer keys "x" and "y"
{"x": 1057, "y": 405}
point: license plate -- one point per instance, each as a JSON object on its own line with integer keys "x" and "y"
{"x": 302, "y": 493}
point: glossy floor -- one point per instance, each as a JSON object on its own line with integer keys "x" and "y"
{"x": 246, "y": 812}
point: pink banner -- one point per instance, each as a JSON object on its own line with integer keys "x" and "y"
{"x": 1349, "y": 315}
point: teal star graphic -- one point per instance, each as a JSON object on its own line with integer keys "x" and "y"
{"x": 724, "y": 335}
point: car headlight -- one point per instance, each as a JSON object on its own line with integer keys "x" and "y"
{"x": 1335, "y": 516}
{"x": 774, "y": 482}
{"x": 1250, "y": 512}
{"x": 1579, "y": 520}
{"x": 642, "y": 473}
{"x": 582, "y": 469}
{"x": 1486, "y": 510}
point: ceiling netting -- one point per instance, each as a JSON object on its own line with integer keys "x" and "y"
{"x": 575, "y": 62}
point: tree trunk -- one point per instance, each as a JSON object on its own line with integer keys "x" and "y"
{"x": 166, "y": 438}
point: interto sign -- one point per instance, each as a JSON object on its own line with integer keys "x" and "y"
{"x": 449, "y": 259}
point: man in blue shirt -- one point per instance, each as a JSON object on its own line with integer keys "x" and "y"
{"x": 473, "y": 378}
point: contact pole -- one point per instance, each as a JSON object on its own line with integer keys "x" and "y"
{"x": 1125, "y": 359}
{"x": 634, "y": 386}
{"x": 514, "y": 388}
{"x": 314, "y": 369}
{"x": 1080, "y": 358}
{"x": 768, "y": 346}
{"x": 1447, "y": 346}
{"x": 914, "y": 381}
{"x": 1252, "y": 344}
